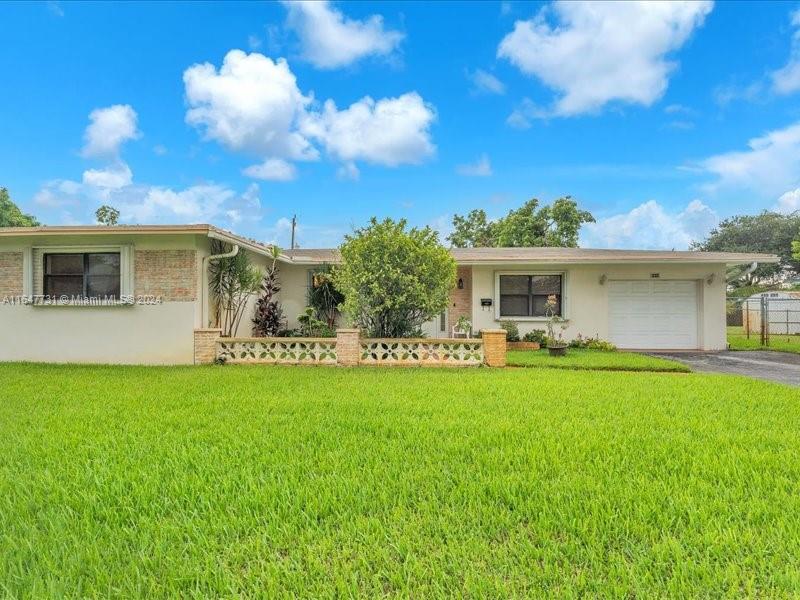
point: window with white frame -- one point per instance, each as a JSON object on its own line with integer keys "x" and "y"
{"x": 526, "y": 294}
{"x": 82, "y": 274}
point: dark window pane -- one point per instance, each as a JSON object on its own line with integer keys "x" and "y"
{"x": 513, "y": 284}
{"x": 100, "y": 286}
{"x": 514, "y": 306}
{"x": 104, "y": 264}
{"x": 547, "y": 284}
{"x": 540, "y": 306}
{"x": 64, "y": 264}
{"x": 63, "y": 285}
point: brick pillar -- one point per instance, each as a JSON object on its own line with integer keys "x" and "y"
{"x": 205, "y": 345}
{"x": 348, "y": 347}
{"x": 494, "y": 347}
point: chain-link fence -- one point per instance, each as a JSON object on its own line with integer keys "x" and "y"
{"x": 767, "y": 319}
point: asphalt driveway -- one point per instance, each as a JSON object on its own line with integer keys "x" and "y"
{"x": 781, "y": 367}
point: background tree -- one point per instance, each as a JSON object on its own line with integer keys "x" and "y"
{"x": 557, "y": 224}
{"x": 11, "y": 215}
{"x": 394, "y": 279}
{"x": 107, "y": 215}
{"x": 232, "y": 281}
{"x": 768, "y": 232}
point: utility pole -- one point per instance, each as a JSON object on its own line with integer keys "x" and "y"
{"x": 294, "y": 226}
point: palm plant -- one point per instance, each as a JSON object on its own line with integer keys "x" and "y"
{"x": 231, "y": 280}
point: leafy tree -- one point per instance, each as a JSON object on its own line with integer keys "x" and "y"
{"x": 528, "y": 226}
{"x": 394, "y": 279}
{"x": 796, "y": 248}
{"x": 11, "y": 215}
{"x": 268, "y": 320}
{"x": 232, "y": 280}
{"x": 107, "y": 215}
{"x": 768, "y": 232}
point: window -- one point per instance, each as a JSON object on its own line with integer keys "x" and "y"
{"x": 526, "y": 295}
{"x": 84, "y": 275}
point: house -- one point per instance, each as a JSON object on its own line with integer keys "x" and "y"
{"x": 137, "y": 294}
{"x": 778, "y": 310}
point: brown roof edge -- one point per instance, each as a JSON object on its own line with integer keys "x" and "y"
{"x": 198, "y": 229}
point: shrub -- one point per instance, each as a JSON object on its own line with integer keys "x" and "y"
{"x": 512, "y": 330}
{"x": 394, "y": 279}
{"x": 232, "y": 280}
{"x": 310, "y": 326}
{"x": 537, "y": 335}
{"x": 268, "y": 319}
{"x": 323, "y": 296}
{"x": 592, "y": 343}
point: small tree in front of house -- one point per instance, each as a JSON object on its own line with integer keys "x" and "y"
{"x": 232, "y": 280}
{"x": 393, "y": 278}
{"x": 268, "y": 319}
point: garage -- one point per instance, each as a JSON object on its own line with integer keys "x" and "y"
{"x": 653, "y": 314}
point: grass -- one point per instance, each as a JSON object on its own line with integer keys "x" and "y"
{"x": 594, "y": 360}
{"x": 738, "y": 340}
{"x": 321, "y": 482}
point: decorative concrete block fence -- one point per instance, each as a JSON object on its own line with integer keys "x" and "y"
{"x": 348, "y": 349}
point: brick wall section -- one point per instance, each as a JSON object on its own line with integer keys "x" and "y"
{"x": 10, "y": 274}
{"x": 460, "y": 300}
{"x": 205, "y": 345}
{"x": 348, "y": 347}
{"x": 494, "y": 347}
{"x": 170, "y": 274}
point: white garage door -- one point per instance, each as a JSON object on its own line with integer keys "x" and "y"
{"x": 653, "y": 314}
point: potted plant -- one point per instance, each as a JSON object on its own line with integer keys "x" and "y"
{"x": 556, "y": 345}
{"x": 463, "y": 325}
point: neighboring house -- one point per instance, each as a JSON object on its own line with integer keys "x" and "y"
{"x": 636, "y": 299}
{"x": 780, "y": 309}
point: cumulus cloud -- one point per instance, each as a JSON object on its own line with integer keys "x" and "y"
{"x": 108, "y": 129}
{"x": 481, "y": 168}
{"x": 254, "y": 105}
{"x": 250, "y": 104}
{"x": 272, "y": 169}
{"x": 115, "y": 176}
{"x": 331, "y": 40}
{"x": 769, "y": 166}
{"x": 600, "y": 52}
{"x": 651, "y": 226}
{"x": 486, "y": 83}
{"x": 390, "y": 131}
{"x": 786, "y": 80}
{"x": 788, "y": 202}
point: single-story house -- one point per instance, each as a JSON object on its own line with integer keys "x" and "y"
{"x": 156, "y": 277}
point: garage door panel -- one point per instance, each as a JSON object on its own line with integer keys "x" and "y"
{"x": 653, "y": 314}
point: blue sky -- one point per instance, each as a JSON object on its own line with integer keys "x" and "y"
{"x": 661, "y": 119}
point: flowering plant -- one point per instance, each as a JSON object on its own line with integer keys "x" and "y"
{"x": 554, "y": 322}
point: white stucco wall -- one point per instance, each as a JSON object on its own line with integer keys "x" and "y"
{"x": 586, "y": 300}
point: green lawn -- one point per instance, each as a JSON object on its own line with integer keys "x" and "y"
{"x": 594, "y": 360}
{"x": 244, "y": 481}
{"x": 738, "y": 340}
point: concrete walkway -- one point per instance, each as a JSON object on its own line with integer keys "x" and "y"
{"x": 781, "y": 367}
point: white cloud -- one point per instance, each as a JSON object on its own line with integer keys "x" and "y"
{"x": 251, "y": 104}
{"x": 55, "y": 8}
{"x": 159, "y": 150}
{"x": 786, "y": 80}
{"x": 482, "y": 168}
{"x": 788, "y": 202}
{"x": 770, "y": 166}
{"x": 485, "y": 82}
{"x": 650, "y": 226}
{"x": 195, "y": 204}
{"x": 330, "y": 40}
{"x": 272, "y": 169}
{"x": 525, "y": 112}
{"x": 603, "y": 51}
{"x": 109, "y": 128}
{"x": 348, "y": 170}
{"x": 390, "y": 131}
{"x": 115, "y": 176}
{"x": 253, "y": 42}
